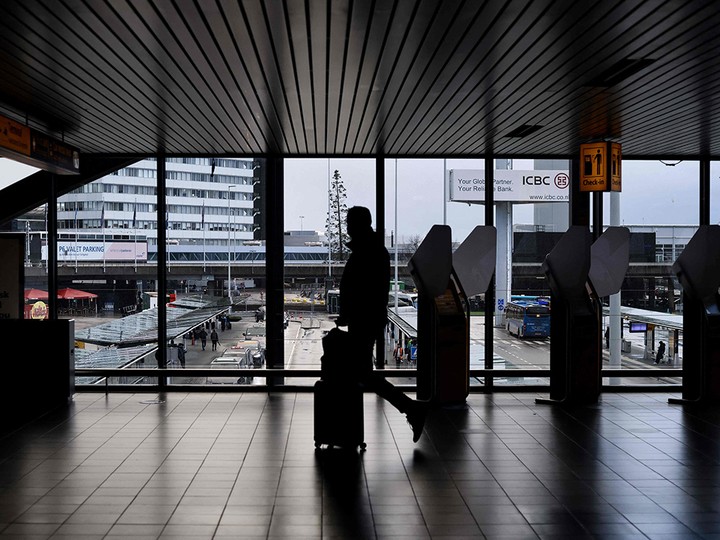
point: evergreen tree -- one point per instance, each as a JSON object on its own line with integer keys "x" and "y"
{"x": 337, "y": 213}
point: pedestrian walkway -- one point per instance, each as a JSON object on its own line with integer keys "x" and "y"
{"x": 212, "y": 465}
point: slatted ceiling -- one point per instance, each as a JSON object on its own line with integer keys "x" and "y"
{"x": 182, "y": 58}
{"x": 354, "y": 78}
{"x": 248, "y": 116}
{"x": 389, "y": 72}
{"x": 119, "y": 106}
{"x": 297, "y": 61}
{"x": 189, "y": 58}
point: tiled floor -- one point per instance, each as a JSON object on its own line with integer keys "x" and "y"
{"x": 206, "y": 465}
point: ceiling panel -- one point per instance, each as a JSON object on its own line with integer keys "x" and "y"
{"x": 397, "y": 78}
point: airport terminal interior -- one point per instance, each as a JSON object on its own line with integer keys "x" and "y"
{"x": 136, "y": 114}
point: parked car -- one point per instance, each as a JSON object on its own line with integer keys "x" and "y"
{"x": 224, "y": 362}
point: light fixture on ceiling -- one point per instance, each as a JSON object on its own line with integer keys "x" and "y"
{"x": 671, "y": 163}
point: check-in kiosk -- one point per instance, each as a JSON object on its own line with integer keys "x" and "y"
{"x": 443, "y": 357}
{"x": 444, "y": 281}
{"x": 698, "y": 270}
{"x": 579, "y": 274}
{"x": 441, "y": 320}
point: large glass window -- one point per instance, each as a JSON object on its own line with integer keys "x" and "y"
{"x": 107, "y": 252}
{"x": 642, "y": 325}
{"x": 318, "y": 193}
{"x": 216, "y": 267}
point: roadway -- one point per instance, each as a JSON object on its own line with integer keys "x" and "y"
{"x": 303, "y": 347}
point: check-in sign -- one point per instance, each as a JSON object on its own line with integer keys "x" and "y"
{"x": 600, "y": 166}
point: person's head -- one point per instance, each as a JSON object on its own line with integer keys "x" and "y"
{"x": 359, "y": 221}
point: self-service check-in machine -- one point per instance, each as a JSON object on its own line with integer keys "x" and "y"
{"x": 444, "y": 280}
{"x": 698, "y": 270}
{"x": 580, "y": 272}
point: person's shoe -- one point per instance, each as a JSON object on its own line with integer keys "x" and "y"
{"x": 416, "y": 419}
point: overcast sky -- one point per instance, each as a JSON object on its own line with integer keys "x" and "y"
{"x": 653, "y": 193}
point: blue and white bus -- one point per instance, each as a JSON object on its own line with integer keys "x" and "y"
{"x": 527, "y": 319}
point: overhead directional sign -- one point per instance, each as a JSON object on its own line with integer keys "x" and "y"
{"x": 26, "y": 145}
{"x": 615, "y": 167}
{"x": 600, "y": 166}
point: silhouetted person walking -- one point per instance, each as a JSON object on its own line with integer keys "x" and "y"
{"x": 660, "y": 352}
{"x": 364, "y": 288}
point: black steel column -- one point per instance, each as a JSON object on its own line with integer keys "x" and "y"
{"x": 52, "y": 269}
{"x": 579, "y": 200}
{"x": 597, "y": 205}
{"x": 704, "y": 191}
{"x": 490, "y": 293}
{"x": 162, "y": 224}
{"x": 380, "y": 228}
{"x": 274, "y": 261}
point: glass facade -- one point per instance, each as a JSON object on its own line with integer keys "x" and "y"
{"x": 216, "y": 267}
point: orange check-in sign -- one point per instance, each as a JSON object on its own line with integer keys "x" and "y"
{"x": 600, "y": 166}
{"x": 593, "y": 167}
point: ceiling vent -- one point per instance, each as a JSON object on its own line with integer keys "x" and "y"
{"x": 618, "y": 72}
{"x": 523, "y": 131}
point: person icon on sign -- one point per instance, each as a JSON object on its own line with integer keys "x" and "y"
{"x": 598, "y": 159}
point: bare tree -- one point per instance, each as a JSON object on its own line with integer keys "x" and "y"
{"x": 413, "y": 243}
{"x": 337, "y": 213}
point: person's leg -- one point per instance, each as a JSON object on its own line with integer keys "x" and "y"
{"x": 385, "y": 389}
{"x": 361, "y": 356}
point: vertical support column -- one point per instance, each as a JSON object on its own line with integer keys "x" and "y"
{"x": 597, "y": 215}
{"x": 274, "y": 253}
{"x": 597, "y": 230}
{"x": 579, "y": 201}
{"x": 704, "y": 191}
{"x": 380, "y": 228}
{"x": 615, "y": 321}
{"x": 162, "y": 212}
{"x": 52, "y": 249}
{"x": 503, "y": 265}
{"x": 649, "y": 343}
{"x": 490, "y": 293}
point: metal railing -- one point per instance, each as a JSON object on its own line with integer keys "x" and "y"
{"x": 106, "y": 374}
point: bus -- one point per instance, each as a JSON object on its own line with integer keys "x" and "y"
{"x": 527, "y": 319}
{"x": 543, "y": 300}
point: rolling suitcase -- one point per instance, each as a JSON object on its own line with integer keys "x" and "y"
{"x": 338, "y": 415}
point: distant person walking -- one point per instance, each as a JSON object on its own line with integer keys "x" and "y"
{"x": 214, "y": 339}
{"x": 607, "y": 337}
{"x": 203, "y": 338}
{"x": 660, "y": 353}
{"x": 364, "y": 290}
{"x": 181, "y": 354}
